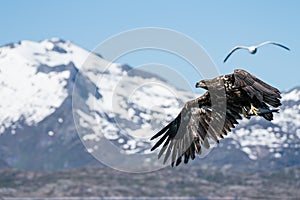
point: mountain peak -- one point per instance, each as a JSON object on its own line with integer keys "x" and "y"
{"x": 292, "y": 95}
{"x": 56, "y": 40}
{"x": 37, "y": 74}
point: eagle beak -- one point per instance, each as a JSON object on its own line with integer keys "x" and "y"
{"x": 201, "y": 84}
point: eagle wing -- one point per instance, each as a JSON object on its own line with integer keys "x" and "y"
{"x": 191, "y": 129}
{"x": 256, "y": 88}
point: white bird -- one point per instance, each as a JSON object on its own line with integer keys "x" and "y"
{"x": 253, "y": 49}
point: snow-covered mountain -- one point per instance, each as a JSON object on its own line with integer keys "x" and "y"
{"x": 44, "y": 83}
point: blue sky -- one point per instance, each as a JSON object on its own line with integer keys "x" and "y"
{"x": 216, "y": 25}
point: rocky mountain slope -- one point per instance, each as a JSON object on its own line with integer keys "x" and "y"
{"x": 176, "y": 183}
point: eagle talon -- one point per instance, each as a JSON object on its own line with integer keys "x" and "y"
{"x": 253, "y": 110}
{"x": 245, "y": 113}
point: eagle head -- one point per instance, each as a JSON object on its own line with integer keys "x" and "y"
{"x": 201, "y": 84}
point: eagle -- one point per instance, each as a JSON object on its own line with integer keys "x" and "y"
{"x": 210, "y": 117}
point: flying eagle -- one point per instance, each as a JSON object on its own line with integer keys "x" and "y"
{"x": 253, "y": 49}
{"x": 211, "y": 116}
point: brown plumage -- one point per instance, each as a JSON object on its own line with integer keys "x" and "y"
{"x": 215, "y": 113}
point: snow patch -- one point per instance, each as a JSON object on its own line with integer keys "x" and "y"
{"x": 277, "y": 155}
{"x": 60, "y": 120}
{"x": 294, "y": 95}
{"x": 250, "y": 153}
{"x": 50, "y": 133}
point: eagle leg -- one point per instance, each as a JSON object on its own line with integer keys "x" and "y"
{"x": 245, "y": 113}
{"x": 253, "y": 110}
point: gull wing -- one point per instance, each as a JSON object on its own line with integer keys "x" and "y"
{"x": 274, "y": 43}
{"x": 233, "y": 50}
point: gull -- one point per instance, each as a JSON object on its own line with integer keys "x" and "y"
{"x": 253, "y": 49}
